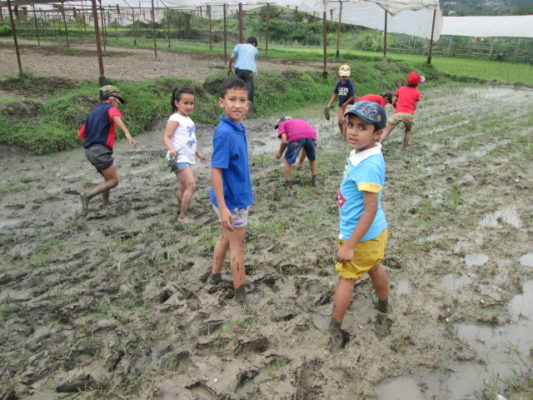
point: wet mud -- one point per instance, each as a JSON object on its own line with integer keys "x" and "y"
{"x": 117, "y": 304}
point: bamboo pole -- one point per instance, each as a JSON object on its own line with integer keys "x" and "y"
{"x": 15, "y": 40}
{"x": 102, "y": 19}
{"x": 325, "y": 42}
{"x": 241, "y": 24}
{"x": 267, "y": 27}
{"x": 210, "y": 27}
{"x": 64, "y": 22}
{"x": 36, "y": 25}
{"x": 101, "y": 79}
{"x": 153, "y": 30}
{"x": 385, "y": 36}
{"x": 430, "y": 52}
{"x": 337, "y": 52}
{"x": 225, "y": 33}
{"x": 168, "y": 26}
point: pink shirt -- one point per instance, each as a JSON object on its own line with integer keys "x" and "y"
{"x": 296, "y": 129}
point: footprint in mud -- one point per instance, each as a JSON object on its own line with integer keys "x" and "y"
{"x": 382, "y": 325}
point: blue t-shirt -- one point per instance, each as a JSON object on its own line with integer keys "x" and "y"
{"x": 230, "y": 153}
{"x": 365, "y": 171}
{"x": 246, "y": 54}
{"x": 344, "y": 90}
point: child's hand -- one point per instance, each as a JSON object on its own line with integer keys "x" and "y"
{"x": 226, "y": 219}
{"x": 345, "y": 254}
{"x": 133, "y": 142}
{"x": 200, "y": 156}
{"x": 278, "y": 155}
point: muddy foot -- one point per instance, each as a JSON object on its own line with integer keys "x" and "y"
{"x": 382, "y": 325}
{"x": 337, "y": 340}
{"x": 186, "y": 220}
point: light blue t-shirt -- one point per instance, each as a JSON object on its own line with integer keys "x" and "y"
{"x": 246, "y": 54}
{"x": 230, "y": 153}
{"x": 364, "y": 172}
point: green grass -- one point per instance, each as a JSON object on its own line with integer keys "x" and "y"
{"x": 60, "y": 117}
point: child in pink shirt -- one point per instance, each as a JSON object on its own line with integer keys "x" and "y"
{"x": 295, "y": 135}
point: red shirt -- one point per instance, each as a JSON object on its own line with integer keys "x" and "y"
{"x": 406, "y": 99}
{"x": 374, "y": 98}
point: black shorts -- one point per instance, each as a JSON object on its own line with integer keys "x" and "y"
{"x": 100, "y": 156}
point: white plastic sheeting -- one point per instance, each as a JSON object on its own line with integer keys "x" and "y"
{"x": 411, "y": 22}
{"x": 499, "y": 26}
{"x": 412, "y": 17}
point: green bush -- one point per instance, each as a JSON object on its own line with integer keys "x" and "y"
{"x": 5, "y": 30}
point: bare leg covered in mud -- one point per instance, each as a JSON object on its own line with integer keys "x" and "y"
{"x": 110, "y": 181}
{"x": 232, "y": 239}
{"x": 380, "y": 281}
{"x": 186, "y": 190}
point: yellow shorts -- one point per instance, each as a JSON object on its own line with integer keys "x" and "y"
{"x": 366, "y": 256}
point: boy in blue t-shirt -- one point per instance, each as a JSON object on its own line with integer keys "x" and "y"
{"x": 231, "y": 193}
{"x": 345, "y": 90}
{"x": 362, "y": 223}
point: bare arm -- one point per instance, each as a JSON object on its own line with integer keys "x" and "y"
{"x": 332, "y": 99}
{"x": 282, "y": 145}
{"x": 217, "y": 182}
{"x": 123, "y": 128}
{"x": 200, "y": 155}
{"x": 167, "y": 136}
{"x": 345, "y": 252}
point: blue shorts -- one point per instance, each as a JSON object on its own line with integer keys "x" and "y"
{"x": 294, "y": 147}
{"x": 183, "y": 165}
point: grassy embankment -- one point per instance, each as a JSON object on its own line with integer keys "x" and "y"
{"x": 50, "y": 125}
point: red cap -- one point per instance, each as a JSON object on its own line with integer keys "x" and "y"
{"x": 413, "y": 78}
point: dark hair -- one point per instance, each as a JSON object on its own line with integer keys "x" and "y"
{"x": 234, "y": 83}
{"x": 176, "y": 96}
{"x": 387, "y": 95}
{"x": 252, "y": 40}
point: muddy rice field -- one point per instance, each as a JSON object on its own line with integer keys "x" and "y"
{"x": 116, "y": 304}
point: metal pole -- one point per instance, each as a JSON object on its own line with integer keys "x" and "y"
{"x": 153, "y": 30}
{"x": 36, "y": 26}
{"x": 385, "y": 37}
{"x": 337, "y": 53}
{"x": 241, "y": 27}
{"x": 430, "y": 53}
{"x": 325, "y": 42}
{"x": 14, "y": 30}
{"x": 101, "y": 79}
{"x": 225, "y": 34}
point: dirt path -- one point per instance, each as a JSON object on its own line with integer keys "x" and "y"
{"x": 116, "y": 303}
{"x": 121, "y": 64}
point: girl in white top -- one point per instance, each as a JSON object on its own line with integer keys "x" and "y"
{"x": 180, "y": 139}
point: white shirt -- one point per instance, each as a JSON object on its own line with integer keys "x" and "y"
{"x": 184, "y": 138}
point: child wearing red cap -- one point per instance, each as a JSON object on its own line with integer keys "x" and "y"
{"x": 405, "y": 107}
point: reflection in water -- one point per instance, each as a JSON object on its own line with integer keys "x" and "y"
{"x": 503, "y": 350}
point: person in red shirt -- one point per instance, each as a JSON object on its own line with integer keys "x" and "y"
{"x": 98, "y": 138}
{"x": 405, "y": 107}
{"x": 382, "y": 100}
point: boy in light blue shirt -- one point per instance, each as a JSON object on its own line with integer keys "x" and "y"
{"x": 244, "y": 57}
{"x": 362, "y": 224}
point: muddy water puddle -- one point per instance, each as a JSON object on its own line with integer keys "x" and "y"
{"x": 503, "y": 352}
